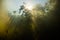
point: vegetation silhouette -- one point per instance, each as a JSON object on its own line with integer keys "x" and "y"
{"x": 44, "y": 26}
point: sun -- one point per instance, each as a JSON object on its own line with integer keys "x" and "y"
{"x": 29, "y": 6}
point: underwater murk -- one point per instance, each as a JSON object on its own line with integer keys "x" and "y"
{"x": 29, "y": 19}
